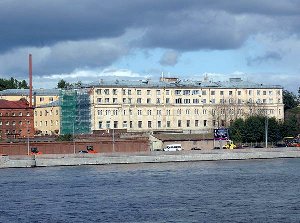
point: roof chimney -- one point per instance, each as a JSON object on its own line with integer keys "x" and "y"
{"x": 30, "y": 80}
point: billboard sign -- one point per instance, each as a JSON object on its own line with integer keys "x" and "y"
{"x": 221, "y": 134}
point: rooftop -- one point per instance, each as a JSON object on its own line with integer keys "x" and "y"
{"x": 22, "y": 103}
{"x": 176, "y": 83}
{"x": 25, "y": 92}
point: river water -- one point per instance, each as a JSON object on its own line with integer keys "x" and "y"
{"x": 222, "y": 191}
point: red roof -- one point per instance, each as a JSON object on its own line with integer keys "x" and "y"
{"x": 22, "y": 103}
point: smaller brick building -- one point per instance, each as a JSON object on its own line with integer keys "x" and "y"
{"x": 16, "y": 119}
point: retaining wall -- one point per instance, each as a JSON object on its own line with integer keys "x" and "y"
{"x": 145, "y": 157}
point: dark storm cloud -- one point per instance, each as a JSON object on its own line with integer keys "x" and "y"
{"x": 174, "y": 24}
{"x": 267, "y": 57}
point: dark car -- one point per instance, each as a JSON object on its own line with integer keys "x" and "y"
{"x": 83, "y": 151}
{"x": 195, "y": 148}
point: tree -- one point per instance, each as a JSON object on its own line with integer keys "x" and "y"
{"x": 61, "y": 84}
{"x": 12, "y": 84}
{"x": 290, "y": 100}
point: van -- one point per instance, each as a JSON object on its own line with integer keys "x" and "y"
{"x": 173, "y": 147}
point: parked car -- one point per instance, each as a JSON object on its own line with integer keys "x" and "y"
{"x": 195, "y": 148}
{"x": 173, "y": 147}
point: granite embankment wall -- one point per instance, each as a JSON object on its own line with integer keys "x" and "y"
{"x": 100, "y": 146}
{"x": 47, "y": 160}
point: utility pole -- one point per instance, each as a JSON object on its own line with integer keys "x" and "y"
{"x": 266, "y": 131}
{"x": 74, "y": 148}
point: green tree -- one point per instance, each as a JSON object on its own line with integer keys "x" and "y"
{"x": 12, "y": 84}
{"x": 61, "y": 84}
{"x": 237, "y": 130}
{"x": 290, "y": 100}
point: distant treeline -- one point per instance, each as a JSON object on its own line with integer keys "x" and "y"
{"x": 12, "y": 84}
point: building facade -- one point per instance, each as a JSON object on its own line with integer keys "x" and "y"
{"x": 180, "y": 106}
{"x": 39, "y": 97}
{"x": 47, "y": 119}
{"x": 16, "y": 119}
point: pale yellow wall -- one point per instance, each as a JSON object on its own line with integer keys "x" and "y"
{"x": 40, "y": 100}
{"x": 47, "y": 120}
{"x": 207, "y": 106}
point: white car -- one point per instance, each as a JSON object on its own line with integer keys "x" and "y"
{"x": 173, "y": 147}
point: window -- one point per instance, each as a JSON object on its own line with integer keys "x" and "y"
{"x": 56, "y": 112}
{"x": 13, "y": 123}
{"x": 203, "y": 92}
{"x": 168, "y": 112}
{"x": 149, "y": 124}
{"x": 195, "y": 101}
{"x": 139, "y": 112}
{"x": 188, "y": 123}
{"x": 158, "y": 100}
{"x": 179, "y": 123}
{"x": 167, "y": 100}
{"x": 213, "y": 101}
{"x": 177, "y": 92}
{"x": 230, "y": 92}
{"x": 157, "y": 92}
{"x": 178, "y": 101}
{"x": 124, "y": 100}
{"x": 115, "y": 92}
{"x": 106, "y": 100}
{"x": 196, "y": 123}
{"x": 212, "y": 93}
{"x": 7, "y": 123}
{"x": 51, "y": 99}
{"x": 258, "y": 92}
{"x": 158, "y": 112}
{"x": 140, "y": 124}
{"x": 129, "y": 92}
{"x": 187, "y": 112}
{"x": 107, "y": 124}
{"x": 239, "y": 92}
{"x": 106, "y": 91}
{"x": 124, "y": 124}
{"x": 178, "y": 111}
{"x": 221, "y": 92}
{"x": 41, "y": 99}
{"x": 195, "y": 92}
{"x": 138, "y": 92}
{"x": 204, "y": 123}
{"x": 187, "y": 101}
{"x": 115, "y": 124}
{"x": 196, "y": 111}
{"x": 130, "y": 125}
{"x": 159, "y": 124}
{"x": 99, "y": 100}
{"x": 41, "y": 113}
{"x": 204, "y": 101}
{"x": 148, "y": 92}
{"x": 139, "y": 100}
{"x": 149, "y": 112}
{"x": 167, "y": 92}
{"x": 186, "y": 92}
{"x": 13, "y": 114}
{"x": 115, "y": 100}
{"x": 115, "y": 112}
{"x": 0, "y": 122}
{"x": 98, "y": 91}
{"x": 250, "y": 92}
{"x": 264, "y": 92}
{"x": 168, "y": 124}
{"x": 20, "y": 114}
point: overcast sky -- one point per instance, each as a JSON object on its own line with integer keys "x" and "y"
{"x": 88, "y": 40}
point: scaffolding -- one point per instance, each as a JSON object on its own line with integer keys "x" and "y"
{"x": 75, "y": 111}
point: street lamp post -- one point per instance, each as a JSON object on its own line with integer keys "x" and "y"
{"x": 74, "y": 148}
{"x": 266, "y": 131}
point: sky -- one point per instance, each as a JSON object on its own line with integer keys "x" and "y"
{"x": 89, "y": 40}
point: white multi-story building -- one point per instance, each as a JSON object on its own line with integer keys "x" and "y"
{"x": 174, "y": 105}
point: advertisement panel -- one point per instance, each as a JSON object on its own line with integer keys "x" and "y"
{"x": 221, "y": 134}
